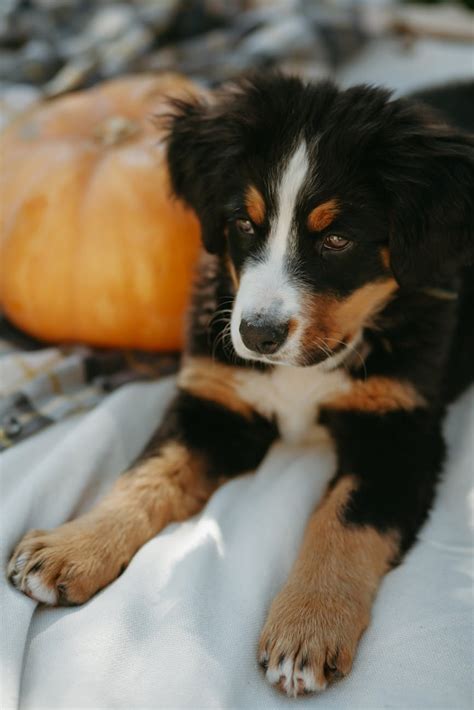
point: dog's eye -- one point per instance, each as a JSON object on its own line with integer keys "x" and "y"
{"x": 336, "y": 243}
{"x": 245, "y": 226}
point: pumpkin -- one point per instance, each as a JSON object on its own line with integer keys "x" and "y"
{"x": 93, "y": 248}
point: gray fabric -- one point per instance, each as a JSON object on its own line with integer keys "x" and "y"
{"x": 179, "y": 628}
{"x": 43, "y": 385}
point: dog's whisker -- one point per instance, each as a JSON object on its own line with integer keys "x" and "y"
{"x": 351, "y": 347}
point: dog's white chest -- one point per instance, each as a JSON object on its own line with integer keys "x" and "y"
{"x": 291, "y": 395}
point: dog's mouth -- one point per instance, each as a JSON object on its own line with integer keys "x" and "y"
{"x": 277, "y": 333}
{"x": 271, "y": 360}
{"x": 294, "y": 354}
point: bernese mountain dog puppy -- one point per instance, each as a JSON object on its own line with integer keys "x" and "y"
{"x": 335, "y": 295}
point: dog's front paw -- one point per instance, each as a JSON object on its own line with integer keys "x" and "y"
{"x": 309, "y": 639}
{"x": 66, "y": 566}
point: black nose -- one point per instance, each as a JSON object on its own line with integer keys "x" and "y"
{"x": 263, "y": 337}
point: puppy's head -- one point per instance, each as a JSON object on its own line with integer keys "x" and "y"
{"x": 323, "y": 203}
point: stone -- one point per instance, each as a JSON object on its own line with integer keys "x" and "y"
{"x": 39, "y": 61}
{"x": 156, "y": 15}
{"x": 56, "y": 5}
{"x": 290, "y": 35}
{"x": 75, "y": 47}
{"x": 8, "y": 64}
{"x": 34, "y": 63}
{"x": 120, "y": 54}
{"x": 162, "y": 59}
{"x": 63, "y": 45}
{"x": 71, "y": 76}
{"x": 14, "y": 99}
{"x": 7, "y": 7}
{"x": 31, "y": 24}
{"x": 111, "y": 22}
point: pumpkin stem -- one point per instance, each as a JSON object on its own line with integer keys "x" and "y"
{"x": 114, "y": 130}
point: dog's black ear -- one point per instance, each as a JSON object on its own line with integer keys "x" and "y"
{"x": 429, "y": 178}
{"x": 202, "y": 148}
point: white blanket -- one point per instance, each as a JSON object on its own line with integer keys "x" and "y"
{"x": 179, "y": 628}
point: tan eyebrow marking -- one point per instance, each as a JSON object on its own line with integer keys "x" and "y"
{"x": 322, "y": 215}
{"x": 255, "y": 204}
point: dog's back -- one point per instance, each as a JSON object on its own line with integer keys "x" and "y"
{"x": 455, "y": 101}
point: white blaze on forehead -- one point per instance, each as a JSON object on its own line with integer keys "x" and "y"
{"x": 266, "y": 285}
{"x": 269, "y": 275}
{"x": 291, "y": 182}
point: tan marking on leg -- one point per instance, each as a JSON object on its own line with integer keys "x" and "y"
{"x": 71, "y": 563}
{"x": 323, "y": 215}
{"x": 213, "y": 381}
{"x": 316, "y": 621}
{"x": 255, "y": 205}
{"x": 378, "y": 395}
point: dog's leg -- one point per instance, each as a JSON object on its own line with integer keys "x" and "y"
{"x": 370, "y": 515}
{"x": 199, "y": 444}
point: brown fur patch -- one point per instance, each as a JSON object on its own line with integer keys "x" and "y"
{"x": 385, "y": 256}
{"x": 233, "y": 273}
{"x": 323, "y": 215}
{"x": 204, "y": 378}
{"x": 357, "y": 310}
{"x": 204, "y": 304}
{"x": 77, "y": 559}
{"x": 332, "y": 321}
{"x": 320, "y": 614}
{"x": 378, "y": 395}
{"x": 255, "y": 205}
{"x": 292, "y": 326}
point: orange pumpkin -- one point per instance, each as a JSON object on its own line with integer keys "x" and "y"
{"x": 92, "y": 246}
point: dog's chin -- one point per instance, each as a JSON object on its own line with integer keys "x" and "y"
{"x": 286, "y": 359}
{"x": 325, "y": 359}
{"x": 276, "y": 359}
{"x": 245, "y": 354}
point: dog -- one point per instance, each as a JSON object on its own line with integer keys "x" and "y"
{"x": 335, "y": 298}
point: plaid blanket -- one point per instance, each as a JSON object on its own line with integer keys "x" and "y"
{"x": 41, "y": 385}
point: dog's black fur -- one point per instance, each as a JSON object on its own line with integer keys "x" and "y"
{"x": 406, "y": 178}
{"x": 396, "y": 180}
{"x": 404, "y": 173}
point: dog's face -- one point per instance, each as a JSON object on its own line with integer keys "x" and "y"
{"x": 306, "y": 245}
{"x": 317, "y": 199}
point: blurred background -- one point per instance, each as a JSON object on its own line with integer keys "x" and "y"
{"x": 49, "y": 47}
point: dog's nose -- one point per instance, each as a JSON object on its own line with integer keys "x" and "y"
{"x": 264, "y": 338}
